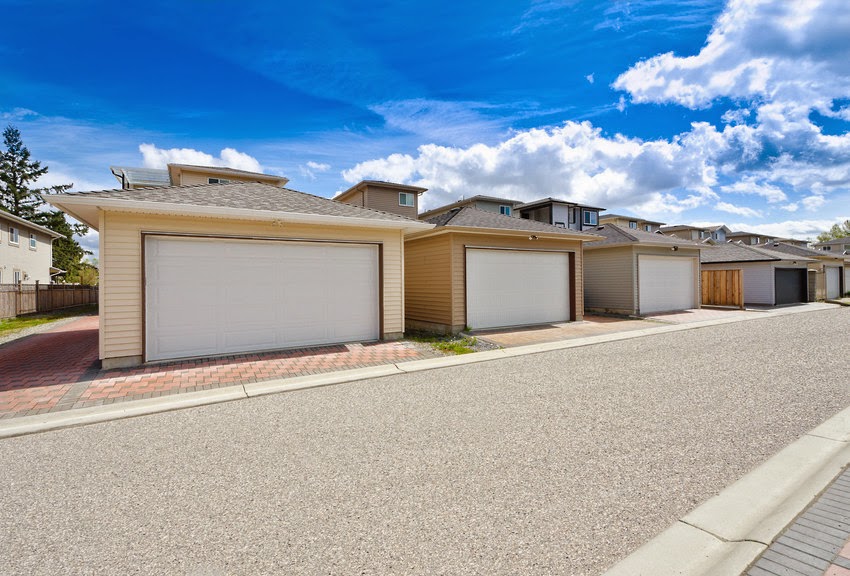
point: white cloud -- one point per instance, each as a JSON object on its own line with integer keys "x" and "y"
{"x": 589, "y": 78}
{"x": 800, "y": 229}
{"x": 740, "y": 210}
{"x": 812, "y": 203}
{"x": 772, "y": 50}
{"x": 154, "y": 157}
{"x": 310, "y": 169}
{"x": 769, "y": 192}
{"x": 792, "y": 207}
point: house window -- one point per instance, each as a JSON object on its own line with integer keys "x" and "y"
{"x": 406, "y": 199}
{"x": 572, "y": 217}
{"x": 827, "y": 248}
{"x": 647, "y": 228}
{"x": 633, "y": 224}
{"x": 13, "y": 235}
{"x": 506, "y": 210}
{"x": 17, "y": 276}
{"x": 218, "y": 181}
{"x": 590, "y": 218}
{"x": 33, "y": 243}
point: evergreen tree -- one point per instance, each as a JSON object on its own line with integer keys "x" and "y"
{"x": 17, "y": 174}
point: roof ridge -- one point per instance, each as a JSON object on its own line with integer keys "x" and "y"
{"x": 623, "y": 232}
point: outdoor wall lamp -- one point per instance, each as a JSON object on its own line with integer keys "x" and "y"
{"x": 675, "y": 248}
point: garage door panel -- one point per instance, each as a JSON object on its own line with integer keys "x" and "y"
{"x": 790, "y": 285}
{"x": 510, "y": 288}
{"x": 833, "y": 282}
{"x": 259, "y": 295}
{"x": 666, "y": 283}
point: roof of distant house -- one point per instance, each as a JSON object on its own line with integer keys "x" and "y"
{"x": 343, "y": 196}
{"x": 737, "y": 252}
{"x": 549, "y": 200}
{"x": 24, "y": 222}
{"x": 466, "y": 201}
{"x": 624, "y": 217}
{"x": 618, "y": 236}
{"x": 798, "y": 250}
{"x": 141, "y": 176}
{"x": 469, "y": 217}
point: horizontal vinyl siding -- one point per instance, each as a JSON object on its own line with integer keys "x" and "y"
{"x": 121, "y": 267}
{"x": 609, "y": 279}
{"x": 387, "y": 201}
{"x": 428, "y": 278}
{"x": 460, "y": 240}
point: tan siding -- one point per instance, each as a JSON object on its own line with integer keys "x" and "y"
{"x": 458, "y": 254}
{"x": 356, "y": 199}
{"x": 609, "y": 280}
{"x": 387, "y": 201}
{"x": 427, "y": 271}
{"x": 193, "y": 178}
{"x": 121, "y": 267}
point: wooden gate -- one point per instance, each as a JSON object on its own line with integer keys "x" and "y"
{"x": 723, "y": 288}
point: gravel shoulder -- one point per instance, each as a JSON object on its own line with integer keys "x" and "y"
{"x": 554, "y": 463}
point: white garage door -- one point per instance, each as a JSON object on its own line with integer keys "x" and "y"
{"x": 666, "y": 283}
{"x": 220, "y": 296}
{"x": 833, "y": 282}
{"x": 512, "y": 288}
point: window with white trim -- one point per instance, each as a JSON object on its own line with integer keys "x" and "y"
{"x": 647, "y": 228}
{"x": 506, "y": 210}
{"x": 17, "y": 276}
{"x": 218, "y": 181}
{"x": 633, "y": 224}
{"x": 13, "y": 235}
{"x": 406, "y": 199}
{"x": 590, "y": 218}
{"x": 33, "y": 242}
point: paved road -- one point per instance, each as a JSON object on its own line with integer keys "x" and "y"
{"x": 559, "y": 463}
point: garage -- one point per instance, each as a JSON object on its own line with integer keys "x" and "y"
{"x": 790, "y": 285}
{"x": 212, "y": 296}
{"x": 666, "y": 283}
{"x": 512, "y": 288}
{"x": 833, "y": 281}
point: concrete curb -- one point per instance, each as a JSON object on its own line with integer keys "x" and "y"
{"x": 726, "y": 533}
{"x": 57, "y": 420}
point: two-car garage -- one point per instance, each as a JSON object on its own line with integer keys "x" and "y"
{"x": 211, "y": 296}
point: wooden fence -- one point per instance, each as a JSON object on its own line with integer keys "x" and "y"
{"x": 20, "y": 299}
{"x": 723, "y": 288}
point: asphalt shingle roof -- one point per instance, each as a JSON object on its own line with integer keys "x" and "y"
{"x": 469, "y": 217}
{"x": 243, "y": 195}
{"x": 796, "y": 250}
{"x": 734, "y": 252}
{"x": 614, "y": 234}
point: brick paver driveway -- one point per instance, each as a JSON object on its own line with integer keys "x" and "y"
{"x": 59, "y": 370}
{"x": 591, "y": 326}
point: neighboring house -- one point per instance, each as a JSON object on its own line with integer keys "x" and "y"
{"x": 827, "y": 279}
{"x": 749, "y": 238}
{"x": 188, "y": 174}
{"x": 26, "y": 251}
{"x": 203, "y": 270}
{"x": 561, "y": 213}
{"x": 711, "y": 234}
{"x": 479, "y": 269}
{"x": 638, "y": 273}
{"x": 835, "y": 246}
{"x": 387, "y": 196}
{"x": 632, "y": 222}
{"x": 770, "y": 278}
{"x": 485, "y": 203}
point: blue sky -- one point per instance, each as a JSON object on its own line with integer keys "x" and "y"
{"x": 692, "y": 111}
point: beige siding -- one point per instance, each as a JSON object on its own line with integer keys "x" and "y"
{"x": 34, "y": 265}
{"x": 121, "y": 303}
{"x": 387, "y": 201}
{"x": 458, "y": 254}
{"x": 428, "y": 280}
{"x": 193, "y": 178}
{"x": 356, "y": 199}
{"x": 609, "y": 280}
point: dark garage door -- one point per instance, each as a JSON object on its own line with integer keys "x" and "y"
{"x": 790, "y": 285}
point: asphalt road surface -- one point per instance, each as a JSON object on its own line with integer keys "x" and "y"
{"x": 555, "y": 463}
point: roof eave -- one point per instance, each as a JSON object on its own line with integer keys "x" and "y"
{"x": 94, "y": 205}
{"x": 503, "y": 232}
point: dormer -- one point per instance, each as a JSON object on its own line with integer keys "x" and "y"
{"x": 384, "y": 196}
{"x": 187, "y": 174}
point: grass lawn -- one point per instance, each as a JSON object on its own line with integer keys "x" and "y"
{"x": 21, "y": 322}
{"x": 446, "y": 344}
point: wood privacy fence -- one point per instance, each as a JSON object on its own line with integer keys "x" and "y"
{"x": 723, "y": 288}
{"x": 19, "y": 299}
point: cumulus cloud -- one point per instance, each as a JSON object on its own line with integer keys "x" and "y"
{"x": 589, "y": 78}
{"x": 740, "y": 210}
{"x": 310, "y": 169}
{"x": 154, "y": 157}
{"x": 812, "y": 203}
{"x": 800, "y": 229}
{"x": 769, "y": 192}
